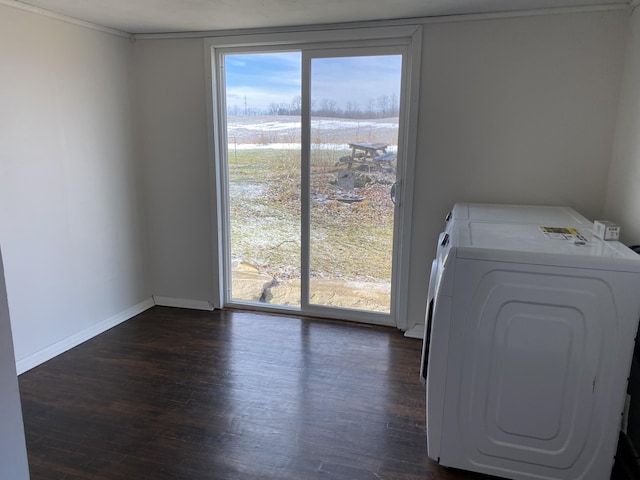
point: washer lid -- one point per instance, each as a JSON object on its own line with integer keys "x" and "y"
{"x": 544, "y": 244}
{"x": 538, "y": 214}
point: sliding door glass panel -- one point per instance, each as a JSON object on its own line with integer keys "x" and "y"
{"x": 263, "y": 106}
{"x": 354, "y": 111}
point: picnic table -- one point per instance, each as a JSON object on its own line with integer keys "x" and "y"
{"x": 367, "y": 153}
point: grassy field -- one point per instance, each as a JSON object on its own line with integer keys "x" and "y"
{"x": 349, "y": 240}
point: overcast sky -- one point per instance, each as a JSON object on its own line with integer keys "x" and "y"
{"x": 264, "y": 79}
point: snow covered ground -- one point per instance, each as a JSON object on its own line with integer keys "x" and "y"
{"x": 255, "y": 131}
{"x": 295, "y": 146}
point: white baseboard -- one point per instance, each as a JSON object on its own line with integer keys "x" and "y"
{"x": 183, "y": 303}
{"x": 68, "y": 343}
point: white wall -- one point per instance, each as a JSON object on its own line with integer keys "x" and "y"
{"x": 13, "y": 451}
{"x": 623, "y": 194}
{"x": 518, "y": 110}
{"x": 171, "y": 119}
{"x": 71, "y": 227}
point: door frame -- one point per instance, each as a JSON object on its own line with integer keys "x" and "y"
{"x": 409, "y": 36}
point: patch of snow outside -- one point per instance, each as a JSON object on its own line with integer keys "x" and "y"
{"x": 294, "y": 146}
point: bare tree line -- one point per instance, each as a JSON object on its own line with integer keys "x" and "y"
{"x": 381, "y": 107}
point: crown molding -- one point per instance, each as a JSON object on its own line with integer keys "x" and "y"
{"x": 385, "y": 23}
{"x": 63, "y": 18}
{"x": 632, "y": 4}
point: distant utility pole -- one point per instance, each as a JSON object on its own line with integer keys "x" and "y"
{"x": 245, "y": 105}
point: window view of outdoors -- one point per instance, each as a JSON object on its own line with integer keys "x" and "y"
{"x": 354, "y": 137}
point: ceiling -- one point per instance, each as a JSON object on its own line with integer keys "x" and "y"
{"x": 164, "y": 16}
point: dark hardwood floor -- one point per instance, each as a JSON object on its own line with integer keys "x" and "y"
{"x": 180, "y": 394}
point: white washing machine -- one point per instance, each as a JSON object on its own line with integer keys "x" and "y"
{"x": 482, "y": 212}
{"x": 528, "y": 343}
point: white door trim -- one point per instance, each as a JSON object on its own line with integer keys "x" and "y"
{"x": 409, "y": 35}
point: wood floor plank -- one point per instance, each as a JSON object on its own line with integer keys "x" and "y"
{"x": 181, "y": 394}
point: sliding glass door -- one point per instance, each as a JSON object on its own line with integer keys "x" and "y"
{"x": 352, "y": 168}
{"x": 311, "y": 148}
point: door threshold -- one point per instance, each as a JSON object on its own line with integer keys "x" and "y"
{"x": 417, "y": 331}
